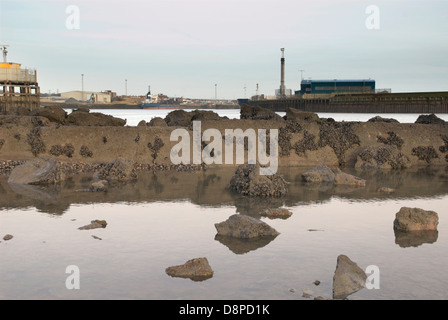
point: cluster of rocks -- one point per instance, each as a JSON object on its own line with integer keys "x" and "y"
{"x": 6, "y": 166}
{"x": 248, "y": 181}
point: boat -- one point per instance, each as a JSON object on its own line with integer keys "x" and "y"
{"x": 160, "y": 101}
{"x": 242, "y": 101}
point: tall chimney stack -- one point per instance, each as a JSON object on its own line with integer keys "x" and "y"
{"x": 282, "y": 77}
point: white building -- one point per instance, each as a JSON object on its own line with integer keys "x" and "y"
{"x": 87, "y": 96}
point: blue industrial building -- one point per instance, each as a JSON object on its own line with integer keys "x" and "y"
{"x": 336, "y": 86}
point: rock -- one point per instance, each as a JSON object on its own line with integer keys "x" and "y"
{"x": 53, "y": 113}
{"x": 381, "y": 157}
{"x": 429, "y": 119}
{"x": 258, "y": 113}
{"x": 198, "y": 115}
{"x": 316, "y": 283}
{"x": 118, "y": 171}
{"x": 276, "y": 213}
{"x": 83, "y": 117}
{"x": 299, "y": 115}
{"x": 386, "y": 190}
{"x": 342, "y": 178}
{"x": 37, "y": 171}
{"x": 324, "y": 174}
{"x": 157, "y": 122}
{"x": 245, "y": 227}
{"x": 98, "y": 186}
{"x": 248, "y": 181}
{"x": 319, "y": 174}
{"x": 195, "y": 269}
{"x": 307, "y": 293}
{"x": 319, "y": 298}
{"x": 95, "y": 224}
{"x": 179, "y": 118}
{"x": 415, "y": 219}
{"x": 183, "y": 118}
{"x": 142, "y": 124}
{"x": 348, "y": 278}
{"x": 8, "y": 237}
{"x": 381, "y": 119}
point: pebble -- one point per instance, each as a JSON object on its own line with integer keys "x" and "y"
{"x": 8, "y": 237}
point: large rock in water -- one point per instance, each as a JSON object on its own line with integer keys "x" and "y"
{"x": 324, "y": 174}
{"x": 37, "y": 171}
{"x": 85, "y": 118}
{"x": 415, "y": 219}
{"x": 245, "y": 227}
{"x": 348, "y": 278}
{"x": 195, "y": 269}
{"x": 248, "y": 181}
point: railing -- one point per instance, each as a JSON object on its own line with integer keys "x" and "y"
{"x": 18, "y": 75}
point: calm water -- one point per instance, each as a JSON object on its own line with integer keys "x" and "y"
{"x": 134, "y": 116}
{"x": 167, "y": 218}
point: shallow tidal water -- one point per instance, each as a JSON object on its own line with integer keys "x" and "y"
{"x": 166, "y": 218}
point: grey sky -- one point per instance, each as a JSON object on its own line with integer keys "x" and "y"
{"x": 184, "y": 48}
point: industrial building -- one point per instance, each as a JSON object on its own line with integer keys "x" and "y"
{"x": 88, "y": 96}
{"x": 18, "y": 87}
{"x": 336, "y": 86}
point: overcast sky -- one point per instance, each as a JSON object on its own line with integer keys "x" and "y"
{"x": 184, "y": 47}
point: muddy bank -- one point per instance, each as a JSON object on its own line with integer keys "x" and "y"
{"x": 303, "y": 141}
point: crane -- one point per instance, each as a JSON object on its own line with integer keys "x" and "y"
{"x": 5, "y": 51}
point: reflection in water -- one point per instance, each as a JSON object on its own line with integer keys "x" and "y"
{"x": 211, "y": 188}
{"x": 415, "y": 238}
{"x": 242, "y": 246}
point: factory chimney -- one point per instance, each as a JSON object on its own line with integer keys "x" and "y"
{"x": 282, "y": 76}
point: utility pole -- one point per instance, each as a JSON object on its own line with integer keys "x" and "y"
{"x": 126, "y": 87}
{"x": 245, "y": 92}
{"x": 82, "y": 87}
{"x": 216, "y": 92}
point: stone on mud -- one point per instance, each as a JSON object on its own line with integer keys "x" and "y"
{"x": 258, "y": 113}
{"x": 245, "y": 227}
{"x": 53, "y": 113}
{"x": 37, "y": 171}
{"x": 84, "y": 118}
{"x": 299, "y": 115}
